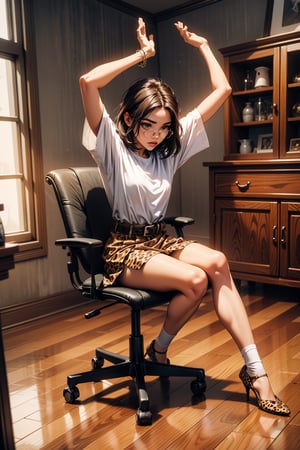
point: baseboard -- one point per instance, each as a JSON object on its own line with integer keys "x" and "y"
{"x": 27, "y": 312}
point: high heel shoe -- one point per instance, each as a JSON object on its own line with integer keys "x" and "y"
{"x": 271, "y": 406}
{"x": 151, "y": 353}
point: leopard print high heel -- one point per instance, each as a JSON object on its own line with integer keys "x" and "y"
{"x": 271, "y": 406}
{"x": 151, "y": 353}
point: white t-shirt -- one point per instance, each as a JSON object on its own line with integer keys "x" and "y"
{"x": 138, "y": 189}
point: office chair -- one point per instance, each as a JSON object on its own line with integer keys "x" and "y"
{"x": 87, "y": 220}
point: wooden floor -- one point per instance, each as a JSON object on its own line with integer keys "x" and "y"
{"x": 40, "y": 355}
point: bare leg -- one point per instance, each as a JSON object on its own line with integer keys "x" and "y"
{"x": 227, "y": 301}
{"x": 165, "y": 273}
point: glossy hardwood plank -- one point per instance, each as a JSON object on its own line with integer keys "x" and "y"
{"x": 41, "y": 354}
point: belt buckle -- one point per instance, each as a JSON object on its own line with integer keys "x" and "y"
{"x": 150, "y": 229}
{"x": 147, "y": 230}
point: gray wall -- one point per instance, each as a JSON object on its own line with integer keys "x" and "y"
{"x": 71, "y": 37}
{"x": 225, "y": 23}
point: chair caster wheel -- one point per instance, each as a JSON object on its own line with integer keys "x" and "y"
{"x": 143, "y": 417}
{"x": 198, "y": 387}
{"x": 71, "y": 394}
{"x": 97, "y": 363}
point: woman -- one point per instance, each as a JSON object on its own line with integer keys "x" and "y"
{"x": 138, "y": 157}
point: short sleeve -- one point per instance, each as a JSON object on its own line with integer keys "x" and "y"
{"x": 88, "y": 137}
{"x": 194, "y": 137}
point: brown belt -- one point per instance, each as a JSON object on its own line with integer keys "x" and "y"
{"x": 132, "y": 230}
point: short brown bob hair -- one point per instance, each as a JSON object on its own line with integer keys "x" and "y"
{"x": 139, "y": 100}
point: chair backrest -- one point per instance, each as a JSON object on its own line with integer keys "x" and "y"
{"x": 83, "y": 205}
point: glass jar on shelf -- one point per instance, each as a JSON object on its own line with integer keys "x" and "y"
{"x": 260, "y": 110}
{"x": 248, "y": 82}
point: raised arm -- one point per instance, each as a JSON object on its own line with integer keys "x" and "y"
{"x": 100, "y": 76}
{"x": 220, "y": 86}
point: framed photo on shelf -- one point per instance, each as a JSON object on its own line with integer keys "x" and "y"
{"x": 265, "y": 143}
{"x": 294, "y": 145}
{"x": 282, "y": 16}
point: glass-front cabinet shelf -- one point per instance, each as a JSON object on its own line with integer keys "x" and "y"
{"x": 290, "y": 118}
{"x": 262, "y": 116}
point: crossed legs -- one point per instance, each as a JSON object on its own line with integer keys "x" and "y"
{"x": 188, "y": 271}
{"x": 165, "y": 273}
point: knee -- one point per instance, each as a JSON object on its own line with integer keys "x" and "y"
{"x": 218, "y": 263}
{"x": 197, "y": 284}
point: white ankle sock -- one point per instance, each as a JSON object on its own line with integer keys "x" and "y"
{"x": 164, "y": 339}
{"x": 252, "y": 360}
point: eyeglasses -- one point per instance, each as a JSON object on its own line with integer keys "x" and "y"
{"x": 164, "y": 131}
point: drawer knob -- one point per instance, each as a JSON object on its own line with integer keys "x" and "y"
{"x": 243, "y": 187}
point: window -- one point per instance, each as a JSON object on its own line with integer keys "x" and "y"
{"x": 21, "y": 175}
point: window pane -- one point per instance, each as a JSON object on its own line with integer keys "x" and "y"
{"x": 7, "y": 88}
{"x": 5, "y": 21}
{"x": 9, "y": 148}
{"x": 21, "y": 177}
{"x": 12, "y": 198}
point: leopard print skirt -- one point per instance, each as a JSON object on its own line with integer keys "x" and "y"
{"x": 121, "y": 251}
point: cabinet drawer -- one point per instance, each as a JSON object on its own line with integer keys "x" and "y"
{"x": 254, "y": 183}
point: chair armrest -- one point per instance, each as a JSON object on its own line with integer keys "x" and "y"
{"x": 75, "y": 247}
{"x": 180, "y": 221}
{"x": 79, "y": 242}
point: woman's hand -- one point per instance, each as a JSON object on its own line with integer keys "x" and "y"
{"x": 146, "y": 43}
{"x": 188, "y": 37}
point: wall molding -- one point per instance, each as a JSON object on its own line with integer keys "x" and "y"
{"x": 167, "y": 13}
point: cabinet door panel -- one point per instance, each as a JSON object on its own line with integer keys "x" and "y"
{"x": 246, "y": 231}
{"x": 290, "y": 240}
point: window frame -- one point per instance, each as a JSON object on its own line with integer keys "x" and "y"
{"x": 33, "y": 242}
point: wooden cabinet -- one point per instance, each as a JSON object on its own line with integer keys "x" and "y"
{"x": 255, "y": 195}
{"x": 255, "y": 219}
{"x": 274, "y": 130}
